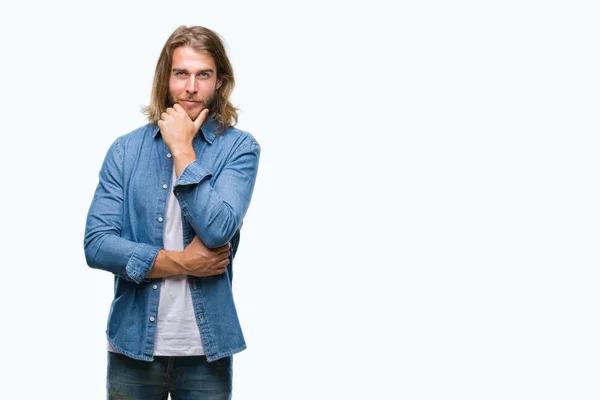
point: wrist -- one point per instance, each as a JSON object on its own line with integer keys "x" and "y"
{"x": 183, "y": 150}
{"x": 167, "y": 263}
{"x": 180, "y": 261}
{"x": 182, "y": 161}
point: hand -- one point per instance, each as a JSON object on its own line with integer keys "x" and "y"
{"x": 198, "y": 260}
{"x": 178, "y": 129}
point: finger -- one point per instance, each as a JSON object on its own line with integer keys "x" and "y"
{"x": 178, "y": 108}
{"x": 217, "y": 271}
{"x": 222, "y": 249}
{"x": 164, "y": 116}
{"x": 201, "y": 118}
{"x": 170, "y": 110}
{"x": 223, "y": 264}
{"x": 221, "y": 257}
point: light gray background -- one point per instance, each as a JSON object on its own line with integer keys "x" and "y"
{"x": 425, "y": 222}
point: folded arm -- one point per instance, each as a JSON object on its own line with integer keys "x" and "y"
{"x": 215, "y": 207}
{"x": 103, "y": 245}
{"x": 106, "y": 249}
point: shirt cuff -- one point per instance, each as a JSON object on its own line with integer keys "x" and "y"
{"x": 192, "y": 174}
{"x": 141, "y": 262}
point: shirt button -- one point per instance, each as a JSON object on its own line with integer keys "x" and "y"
{"x": 165, "y": 186}
{"x": 168, "y": 155}
{"x": 151, "y": 319}
{"x": 154, "y": 287}
{"x": 160, "y": 219}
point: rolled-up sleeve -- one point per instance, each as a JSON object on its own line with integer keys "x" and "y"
{"x": 103, "y": 245}
{"x": 215, "y": 207}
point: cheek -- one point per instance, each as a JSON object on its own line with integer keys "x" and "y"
{"x": 207, "y": 90}
{"x": 176, "y": 86}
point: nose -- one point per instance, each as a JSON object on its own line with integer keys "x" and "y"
{"x": 191, "y": 86}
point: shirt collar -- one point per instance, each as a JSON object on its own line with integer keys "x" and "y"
{"x": 208, "y": 129}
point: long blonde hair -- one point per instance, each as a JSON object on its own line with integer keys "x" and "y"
{"x": 200, "y": 39}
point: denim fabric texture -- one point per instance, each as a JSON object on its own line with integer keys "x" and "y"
{"x": 185, "y": 378}
{"x": 124, "y": 230}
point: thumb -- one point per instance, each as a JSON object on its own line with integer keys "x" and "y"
{"x": 201, "y": 118}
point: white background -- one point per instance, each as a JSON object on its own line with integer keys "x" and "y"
{"x": 425, "y": 223}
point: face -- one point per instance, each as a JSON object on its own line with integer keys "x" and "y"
{"x": 193, "y": 80}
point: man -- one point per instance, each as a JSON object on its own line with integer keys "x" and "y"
{"x": 165, "y": 220}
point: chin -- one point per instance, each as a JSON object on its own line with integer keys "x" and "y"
{"x": 194, "y": 114}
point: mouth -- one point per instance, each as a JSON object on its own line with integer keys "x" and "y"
{"x": 190, "y": 102}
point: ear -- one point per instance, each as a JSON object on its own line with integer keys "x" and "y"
{"x": 219, "y": 83}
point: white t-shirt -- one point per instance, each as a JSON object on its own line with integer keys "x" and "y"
{"x": 177, "y": 332}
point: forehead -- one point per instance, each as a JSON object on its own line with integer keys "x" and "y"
{"x": 188, "y": 58}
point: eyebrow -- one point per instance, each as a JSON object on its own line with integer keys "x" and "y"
{"x": 185, "y": 70}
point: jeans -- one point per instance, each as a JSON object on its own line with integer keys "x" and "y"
{"x": 183, "y": 378}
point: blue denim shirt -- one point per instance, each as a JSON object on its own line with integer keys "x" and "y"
{"x": 124, "y": 230}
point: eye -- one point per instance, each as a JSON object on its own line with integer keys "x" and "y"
{"x": 180, "y": 74}
{"x": 204, "y": 75}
